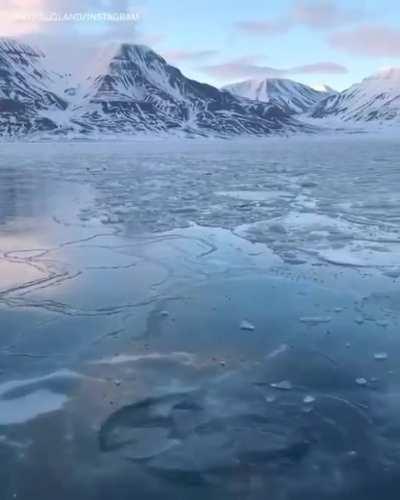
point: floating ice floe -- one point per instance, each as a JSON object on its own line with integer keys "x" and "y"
{"x": 315, "y": 320}
{"x": 284, "y": 385}
{"x": 247, "y": 326}
{"x": 276, "y": 352}
{"x": 26, "y": 399}
{"x": 184, "y": 358}
{"x": 333, "y": 239}
{"x": 381, "y": 356}
{"x": 308, "y": 400}
{"x": 361, "y": 381}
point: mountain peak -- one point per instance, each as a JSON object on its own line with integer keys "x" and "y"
{"x": 136, "y": 47}
{"x": 289, "y": 95}
{"x": 137, "y": 51}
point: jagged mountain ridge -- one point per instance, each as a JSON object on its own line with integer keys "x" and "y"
{"x": 135, "y": 91}
{"x": 26, "y": 95}
{"x": 139, "y": 91}
{"x": 375, "y": 99}
{"x": 294, "y": 97}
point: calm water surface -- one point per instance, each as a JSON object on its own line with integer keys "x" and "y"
{"x": 205, "y": 322}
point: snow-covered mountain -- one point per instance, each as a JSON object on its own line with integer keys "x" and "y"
{"x": 136, "y": 90}
{"x": 294, "y": 97}
{"x": 376, "y": 98}
{"x": 27, "y": 96}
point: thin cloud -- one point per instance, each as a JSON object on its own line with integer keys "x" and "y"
{"x": 324, "y": 14}
{"x": 368, "y": 41}
{"x": 187, "y": 55}
{"x": 314, "y": 15}
{"x": 245, "y": 68}
{"x": 14, "y": 17}
{"x": 264, "y": 28}
{"x": 77, "y": 41}
{"x": 149, "y": 39}
{"x": 326, "y": 68}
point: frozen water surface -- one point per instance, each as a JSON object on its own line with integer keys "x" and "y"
{"x": 127, "y": 274}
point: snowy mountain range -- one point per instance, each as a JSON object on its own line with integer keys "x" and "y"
{"x": 138, "y": 91}
{"x": 291, "y": 96}
{"x": 133, "y": 90}
{"x": 376, "y": 98}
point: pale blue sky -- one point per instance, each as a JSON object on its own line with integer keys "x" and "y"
{"x": 337, "y": 42}
{"x": 210, "y": 25}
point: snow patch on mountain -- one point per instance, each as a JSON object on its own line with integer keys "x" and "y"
{"x": 323, "y": 87}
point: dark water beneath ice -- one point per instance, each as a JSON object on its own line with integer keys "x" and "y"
{"x": 126, "y": 368}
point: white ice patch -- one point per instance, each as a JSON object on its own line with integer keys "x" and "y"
{"x": 332, "y": 239}
{"x": 315, "y": 320}
{"x": 284, "y": 385}
{"x": 30, "y": 406}
{"x": 38, "y": 401}
{"x": 381, "y": 356}
{"x": 361, "y": 381}
{"x": 247, "y": 326}
{"x": 183, "y": 358}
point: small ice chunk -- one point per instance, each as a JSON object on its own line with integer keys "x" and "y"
{"x": 315, "y": 320}
{"x": 284, "y": 385}
{"x": 270, "y": 399}
{"x": 279, "y": 350}
{"x": 308, "y": 400}
{"x": 164, "y": 314}
{"x": 361, "y": 381}
{"x": 381, "y": 356}
{"x": 359, "y": 320}
{"x": 247, "y": 326}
